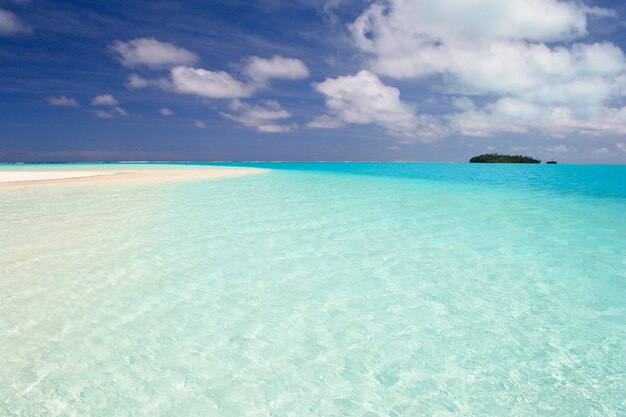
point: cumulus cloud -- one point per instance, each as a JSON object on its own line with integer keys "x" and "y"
{"x": 523, "y": 52}
{"x": 210, "y": 84}
{"x": 165, "y": 111}
{"x": 561, "y": 149}
{"x": 508, "y": 115}
{"x": 199, "y": 124}
{"x": 621, "y": 147}
{"x": 363, "y": 99}
{"x": 107, "y": 100}
{"x": 63, "y": 101}
{"x": 220, "y": 84}
{"x": 261, "y": 70}
{"x": 104, "y": 100}
{"x": 11, "y": 25}
{"x": 135, "y": 81}
{"x": 325, "y": 122}
{"x": 263, "y": 118}
{"x": 151, "y": 53}
{"x": 519, "y": 148}
{"x": 463, "y": 103}
{"x": 534, "y": 20}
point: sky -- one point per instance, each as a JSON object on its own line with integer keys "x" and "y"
{"x": 333, "y": 80}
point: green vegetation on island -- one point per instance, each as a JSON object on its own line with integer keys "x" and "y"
{"x": 496, "y": 158}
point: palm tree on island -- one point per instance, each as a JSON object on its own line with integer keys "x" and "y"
{"x": 496, "y": 158}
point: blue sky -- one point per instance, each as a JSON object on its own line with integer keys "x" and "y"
{"x": 312, "y": 80}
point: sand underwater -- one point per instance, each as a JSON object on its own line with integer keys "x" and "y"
{"x": 315, "y": 290}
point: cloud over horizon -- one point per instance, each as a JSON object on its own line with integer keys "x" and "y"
{"x": 487, "y": 48}
{"x": 363, "y": 99}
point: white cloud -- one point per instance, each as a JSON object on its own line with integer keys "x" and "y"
{"x": 165, "y": 111}
{"x": 210, "y": 84}
{"x": 261, "y": 70}
{"x": 104, "y": 100}
{"x": 513, "y": 50}
{"x": 405, "y": 46}
{"x": 463, "y": 103}
{"x": 63, "y": 101}
{"x": 199, "y": 124}
{"x": 11, "y": 25}
{"x": 263, "y": 118}
{"x": 325, "y": 122}
{"x": 220, "y": 84}
{"x": 257, "y": 74}
{"x": 107, "y": 100}
{"x": 509, "y": 115}
{"x": 519, "y": 148}
{"x": 363, "y": 99}
{"x": 601, "y": 151}
{"x": 533, "y": 20}
{"x": 102, "y": 114}
{"x": 135, "y": 81}
{"x": 621, "y": 147}
{"x": 152, "y": 53}
{"x": 561, "y": 149}
{"x": 109, "y": 114}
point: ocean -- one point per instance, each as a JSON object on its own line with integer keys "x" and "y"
{"x": 317, "y": 289}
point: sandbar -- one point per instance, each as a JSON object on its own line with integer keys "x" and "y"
{"x": 144, "y": 174}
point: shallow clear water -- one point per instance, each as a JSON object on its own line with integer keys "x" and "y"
{"x": 318, "y": 290}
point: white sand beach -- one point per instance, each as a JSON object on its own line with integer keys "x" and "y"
{"x": 27, "y": 176}
{"x": 49, "y": 177}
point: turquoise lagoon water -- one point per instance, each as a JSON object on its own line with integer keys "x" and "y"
{"x": 318, "y": 290}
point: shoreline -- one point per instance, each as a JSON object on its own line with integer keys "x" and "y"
{"x": 52, "y": 177}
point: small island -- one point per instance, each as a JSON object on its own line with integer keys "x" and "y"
{"x": 496, "y": 158}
